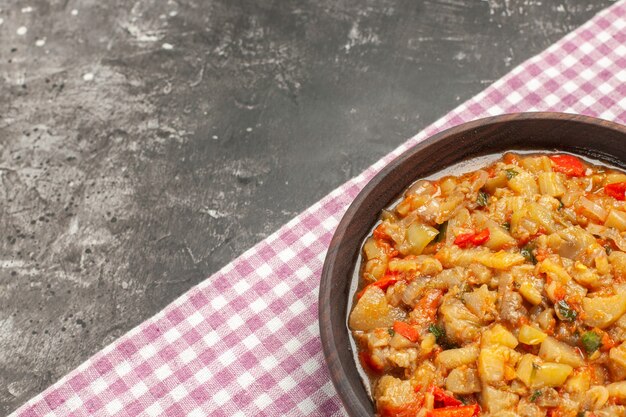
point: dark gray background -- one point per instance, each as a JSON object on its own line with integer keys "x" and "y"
{"x": 145, "y": 144}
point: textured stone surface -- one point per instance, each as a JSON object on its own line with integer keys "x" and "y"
{"x": 145, "y": 144}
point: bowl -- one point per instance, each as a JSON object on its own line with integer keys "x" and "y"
{"x": 585, "y": 136}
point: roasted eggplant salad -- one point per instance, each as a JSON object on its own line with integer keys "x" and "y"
{"x": 500, "y": 292}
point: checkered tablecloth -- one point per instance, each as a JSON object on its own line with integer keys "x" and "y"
{"x": 245, "y": 342}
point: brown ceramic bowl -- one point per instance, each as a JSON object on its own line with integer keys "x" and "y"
{"x": 589, "y": 137}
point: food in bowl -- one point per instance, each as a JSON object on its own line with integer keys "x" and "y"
{"x": 499, "y": 292}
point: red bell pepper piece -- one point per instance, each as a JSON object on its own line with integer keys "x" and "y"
{"x": 568, "y": 165}
{"x": 465, "y": 240}
{"x": 455, "y": 411}
{"x": 441, "y": 397}
{"x": 383, "y": 284}
{"x": 617, "y": 190}
{"x": 407, "y": 331}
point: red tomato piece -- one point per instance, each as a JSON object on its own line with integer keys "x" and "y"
{"x": 481, "y": 237}
{"x": 379, "y": 233}
{"x": 442, "y": 397}
{"x": 383, "y": 284}
{"x": 455, "y": 411}
{"x": 465, "y": 240}
{"x": 406, "y": 330}
{"x": 616, "y": 190}
{"x": 568, "y": 165}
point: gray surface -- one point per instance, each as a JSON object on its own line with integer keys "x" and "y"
{"x": 122, "y": 191}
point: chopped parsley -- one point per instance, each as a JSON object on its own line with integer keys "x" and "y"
{"x": 442, "y": 232}
{"x": 391, "y": 332}
{"x": 566, "y": 313}
{"x": 535, "y": 396}
{"x": 440, "y": 336}
{"x": 527, "y": 252}
{"x": 561, "y": 205}
{"x": 510, "y": 173}
{"x": 591, "y": 342}
{"x": 506, "y": 225}
{"x": 437, "y": 331}
{"x": 483, "y": 199}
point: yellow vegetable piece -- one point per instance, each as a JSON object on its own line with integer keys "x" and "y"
{"x": 601, "y": 312}
{"x": 530, "y": 293}
{"x": 551, "y": 374}
{"x": 419, "y": 235}
{"x": 555, "y": 351}
{"x": 491, "y": 365}
{"x": 498, "y": 335}
{"x": 530, "y": 335}
{"x": 526, "y": 368}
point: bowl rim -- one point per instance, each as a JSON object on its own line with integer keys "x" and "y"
{"x": 353, "y": 406}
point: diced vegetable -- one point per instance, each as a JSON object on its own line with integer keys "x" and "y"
{"x": 481, "y": 302}
{"x": 568, "y": 164}
{"x": 601, "y": 312}
{"x": 419, "y": 236}
{"x": 531, "y": 335}
{"x": 465, "y": 240}
{"x": 530, "y": 293}
{"x": 383, "y": 284}
{"x": 553, "y": 350}
{"x": 617, "y": 357}
{"x": 463, "y": 380}
{"x": 372, "y": 311}
{"x": 616, "y": 219}
{"x": 442, "y": 398}
{"x": 617, "y": 190}
{"x": 494, "y": 400}
{"x": 498, "y": 335}
{"x": 455, "y": 411}
{"x": 453, "y": 358}
{"x": 406, "y": 330}
{"x": 550, "y": 184}
{"x": 617, "y": 390}
{"x": 524, "y": 184}
{"x": 551, "y": 374}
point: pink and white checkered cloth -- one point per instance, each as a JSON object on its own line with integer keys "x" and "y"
{"x": 245, "y": 342}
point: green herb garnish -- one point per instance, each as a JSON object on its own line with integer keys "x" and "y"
{"x": 591, "y": 341}
{"x": 561, "y": 205}
{"x": 442, "y": 232}
{"x": 483, "y": 199}
{"x": 510, "y": 173}
{"x": 608, "y": 249}
{"x": 437, "y": 331}
{"x": 391, "y": 332}
{"x": 527, "y": 252}
{"x": 440, "y": 336}
{"x": 535, "y": 396}
{"x": 506, "y": 225}
{"x": 566, "y": 313}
